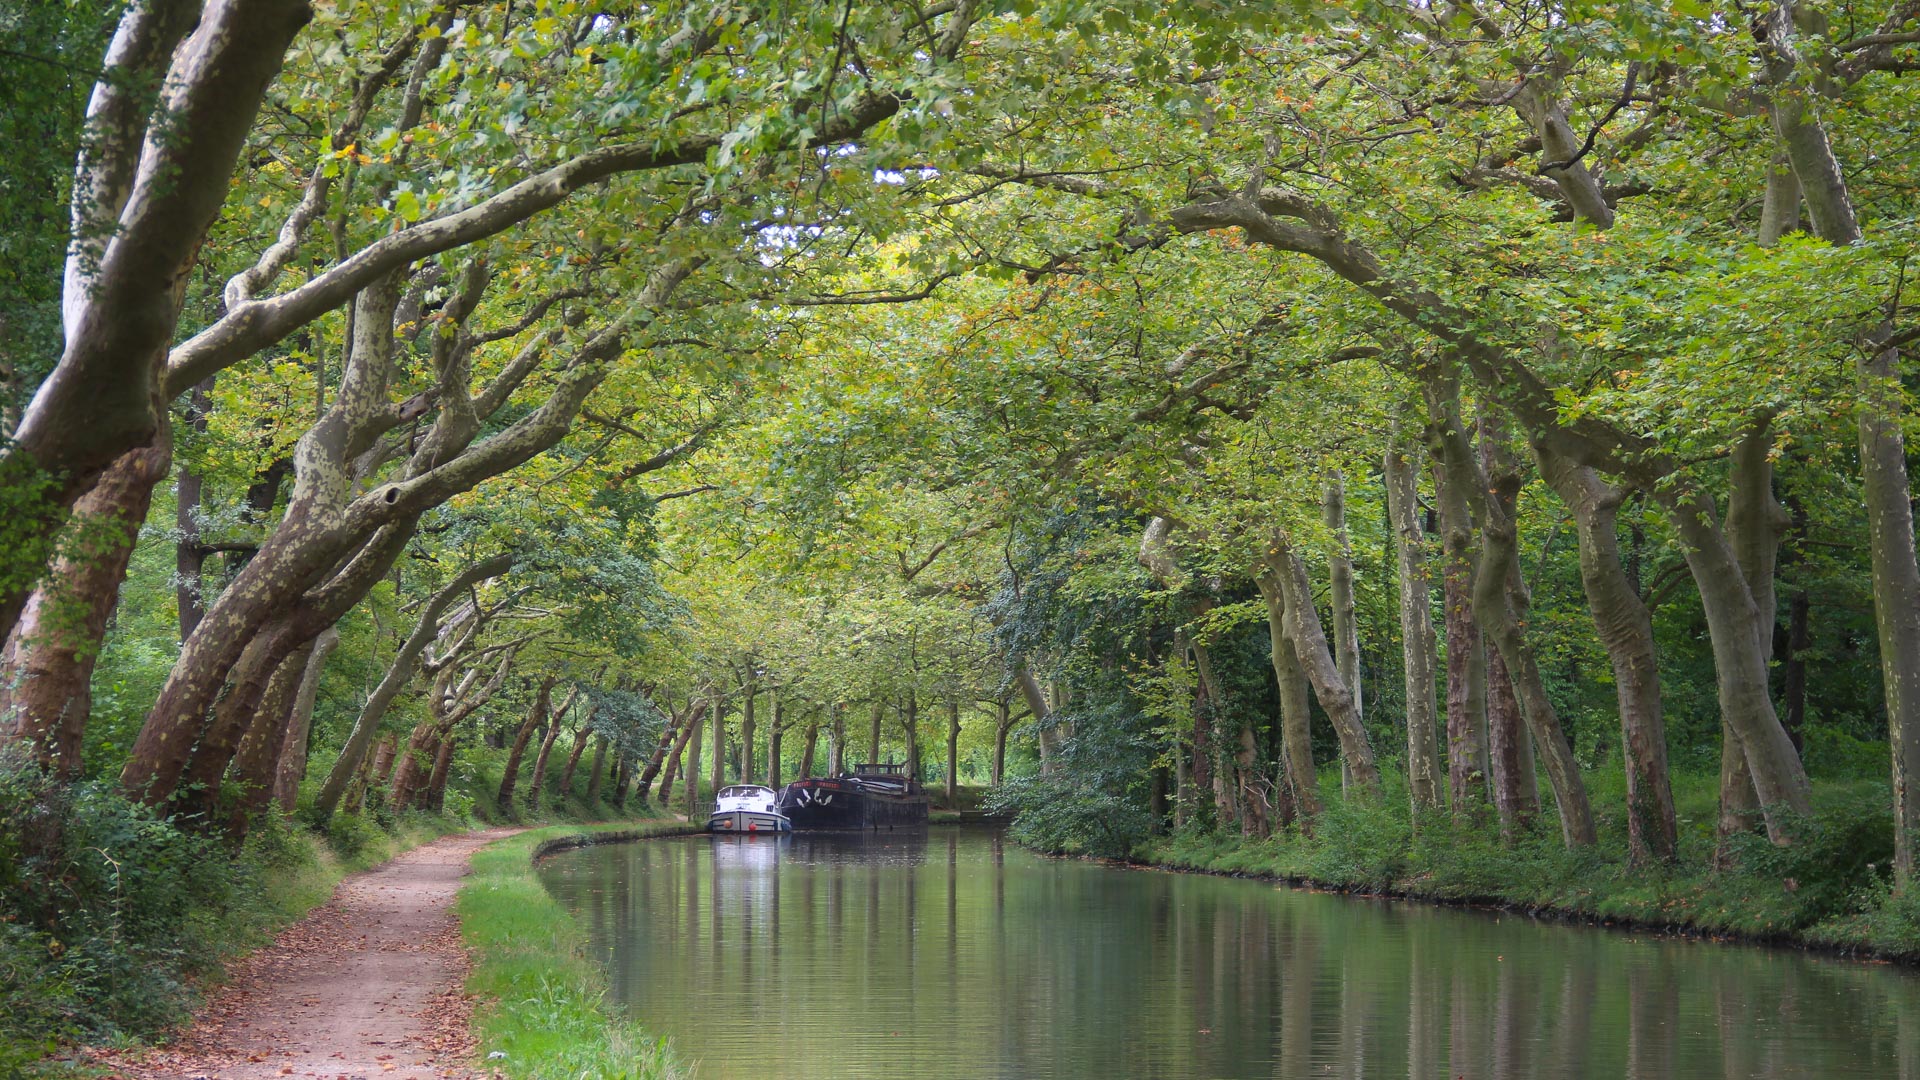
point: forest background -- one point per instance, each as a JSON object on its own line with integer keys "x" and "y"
{"x": 1447, "y": 448}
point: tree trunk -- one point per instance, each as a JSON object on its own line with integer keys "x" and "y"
{"x": 910, "y": 726}
{"x": 1346, "y": 624}
{"x": 1626, "y": 630}
{"x": 1501, "y": 604}
{"x": 622, "y": 773}
{"x": 234, "y": 716}
{"x": 1468, "y": 761}
{"x": 838, "y": 765}
{"x": 692, "y": 759}
{"x": 398, "y": 675}
{"x": 595, "y": 774}
{"x": 580, "y": 740}
{"x": 1296, "y": 718}
{"x": 689, "y": 725}
{"x": 718, "y": 777}
{"x": 873, "y": 737}
{"x": 1734, "y": 626}
{"x": 546, "y": 749}
{"x": 1310, "y": 645}
{"x": 538, "y": 715}
{"x": 189, "y": 554}
{"x": 292, "y": 766}
{"x": 1799, "y": 643}
{"x": 807, "y": 751}
{"x": 1886, "y": 487}
{"x": 776, "y": 729}
{"x": 1256, "y": 819}
{"x": 411, "y": 766}
{"x": 1418, "y": 648}
{"x": 385, "y": 756}
{"x": 251, "y": 776}
{"x": 1002, "y": 724}
{"x": 1211, "y": 733}
{"x": 953, "y": 754}
{"x": 747, "y": 757}
{"x": 434, "y": 799}
{"x": 675, "y": 724}
{"x": 47, "y": 671}
{"x": 1516, "y": 791}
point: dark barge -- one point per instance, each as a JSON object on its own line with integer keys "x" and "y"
{"x": 872, "y": 796}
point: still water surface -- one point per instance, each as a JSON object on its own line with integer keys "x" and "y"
{"x": 952, "y": 953}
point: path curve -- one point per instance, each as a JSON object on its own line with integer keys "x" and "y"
{"x": 368, "y": 985}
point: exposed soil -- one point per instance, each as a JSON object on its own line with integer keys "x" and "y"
{"x": 368, "y": 985}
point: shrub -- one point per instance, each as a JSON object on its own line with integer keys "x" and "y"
{"x": 105, "y": 908}
{"x": 1840, "y": 854}
{"x": 1056, "y": 815}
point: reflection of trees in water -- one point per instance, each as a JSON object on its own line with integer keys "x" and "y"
{"x": 990, "y": 961}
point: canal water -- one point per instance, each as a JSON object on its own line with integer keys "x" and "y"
{"x": 953, "y": 953}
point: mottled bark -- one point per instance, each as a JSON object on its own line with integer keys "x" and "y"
{"x": 250, "y": 778}
{"x": 150, "y": 182}
{"x": 1513, "y": 775}
{"x": 873, "y": 735}
{"x": 434, "y": 798}
{"x": 1468, "y": 761}
{"x": 809, "y": 747}
{"x": 692, "y": 761}
{"x": 718, "y": 776}
{"x": 1310, "y": 644}
{"x": 1626, "y": 630}
{"x": 1418, "y": 646}
{"x": 1296, "y": 735}
{"x": 1501, "y": 604}
{"x": 46, "y": 671}
{"x": 910, "y": 727}
{"x": 1734, "y": 625}
{"x": 1340, "y": 598}
{"x": 838, "y": 765}
{"x": 292, "y": 766}
{"x": 1755, "y": 523}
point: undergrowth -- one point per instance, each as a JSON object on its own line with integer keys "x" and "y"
{"x": 543, "y": 1014}
{"x": 1832, "y": 887}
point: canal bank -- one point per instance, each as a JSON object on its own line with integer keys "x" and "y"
{"x": 1808, "y": 899}
{"x": 541, "y": 1010}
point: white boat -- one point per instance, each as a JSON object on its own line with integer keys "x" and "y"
{"x": 747, "y": 808}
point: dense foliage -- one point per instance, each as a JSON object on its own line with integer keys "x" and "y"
{"x": 1322, "y": 436}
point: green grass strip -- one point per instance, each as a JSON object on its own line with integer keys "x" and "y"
{"x": 543, "y": 1001}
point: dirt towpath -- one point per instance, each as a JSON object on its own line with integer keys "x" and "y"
{"x": 368, "y": 985}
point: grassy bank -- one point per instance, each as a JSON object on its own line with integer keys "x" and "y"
{"x": 543, "y": 1001}
{"x": 1831, "y": 890}
{"x": 114, "y": 921}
